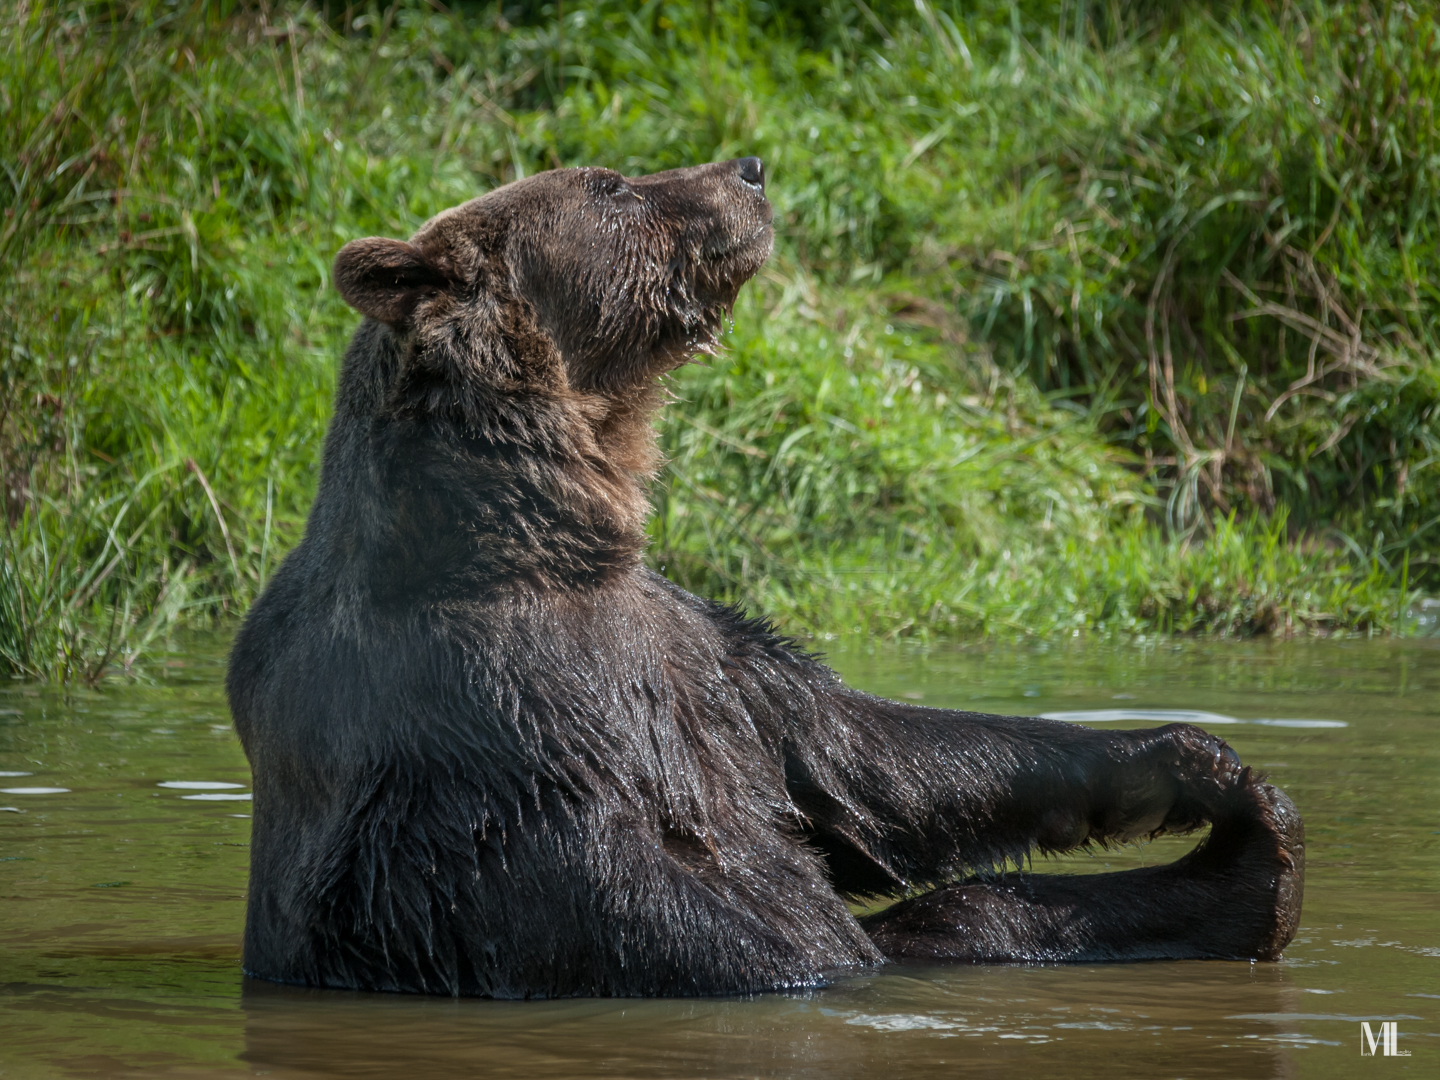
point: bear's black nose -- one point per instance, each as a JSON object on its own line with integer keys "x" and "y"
{"x": 752, "y": 172}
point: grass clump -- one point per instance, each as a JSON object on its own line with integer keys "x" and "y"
{"x": 1117, "y": 322}
{"x": 886, "y": 477}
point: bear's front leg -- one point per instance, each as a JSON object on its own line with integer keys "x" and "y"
{"x": 899, "y": 797}
{"x": 1236, "y": 896}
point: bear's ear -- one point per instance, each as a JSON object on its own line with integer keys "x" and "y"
{"x": 385, "y": 279}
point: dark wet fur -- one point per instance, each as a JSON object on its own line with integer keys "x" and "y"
{"x": 494, "y": 755}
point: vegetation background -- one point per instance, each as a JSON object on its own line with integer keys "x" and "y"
{"x": 1111, "y": 316}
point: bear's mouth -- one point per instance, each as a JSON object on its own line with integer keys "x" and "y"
{"x": 740, "y": 259}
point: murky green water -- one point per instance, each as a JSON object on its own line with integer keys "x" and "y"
{"x": 121, "y": 903}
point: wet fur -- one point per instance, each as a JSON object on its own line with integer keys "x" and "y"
{"x": 495, "y": 755}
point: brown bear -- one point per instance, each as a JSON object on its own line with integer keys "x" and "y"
{"x": 495, "y": 755}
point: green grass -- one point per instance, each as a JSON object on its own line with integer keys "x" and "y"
{"x": 1108, "y": 317}
{"x": 881, "y": 480}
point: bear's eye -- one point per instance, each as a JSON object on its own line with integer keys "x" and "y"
{"x": 611, "y": 187}
{"x": 623, "y": 192}
{"x": 615, "y": 188}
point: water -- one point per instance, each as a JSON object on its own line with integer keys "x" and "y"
{"x": 122, "y": 899}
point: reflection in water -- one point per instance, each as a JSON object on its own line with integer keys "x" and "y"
{"x": 1179, "y": 716}
{"x": 1052, "y": 1021}
{"x": 122, "y": 900}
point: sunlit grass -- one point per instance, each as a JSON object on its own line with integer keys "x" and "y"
{"x": 858, "y": 472}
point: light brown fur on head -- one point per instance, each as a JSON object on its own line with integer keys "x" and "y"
{"x": 580, "y": 286}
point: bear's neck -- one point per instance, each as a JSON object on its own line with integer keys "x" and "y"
{"x": 545, "y": 494}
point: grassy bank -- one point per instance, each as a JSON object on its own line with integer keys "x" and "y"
{"x": 1118, "y": 322}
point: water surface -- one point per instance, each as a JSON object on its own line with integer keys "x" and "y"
{"x": 122, "y": 890}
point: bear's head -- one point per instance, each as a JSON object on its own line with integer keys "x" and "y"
{"x": 578, "y": 280}
{"x": 510, "y": 363}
